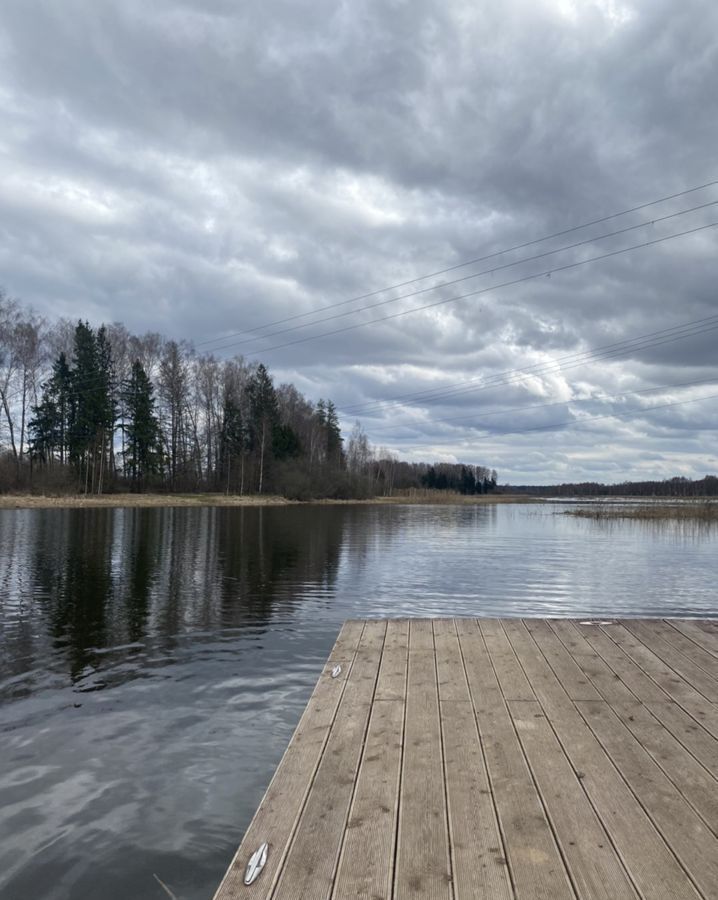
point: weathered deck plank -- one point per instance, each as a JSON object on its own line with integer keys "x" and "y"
{"x": 708, "y": 640}
{"x": 696, "y": 784}
{"x": 681, "y": 827}
{"x": 371, "y": 829}
{"x": 478, "y": 856}
{"x": 595, "y": 869}
{"x": 688, "y": 647}
{"x": 311, "y": 862}
{"x": 535, "y": 864}
{"x": 422, "y": 854}
{"x": 649, "y": 860}
{"x": 703, "y": 710}
{"x": 460, "y": 759}
{"x": 653, "y": 635}
{"x": 687, "y": 728}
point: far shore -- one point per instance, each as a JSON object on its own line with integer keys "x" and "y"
{"x": 33, "y": 501}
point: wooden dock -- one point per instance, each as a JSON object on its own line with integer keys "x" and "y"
{"x": 531, "y": 759}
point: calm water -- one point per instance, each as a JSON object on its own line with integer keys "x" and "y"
{"x": 154, "y": 663}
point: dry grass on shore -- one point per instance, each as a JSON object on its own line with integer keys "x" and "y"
{"x": 703, "y": 511}
{"x": 32, "y": 501}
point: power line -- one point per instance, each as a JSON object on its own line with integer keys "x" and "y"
{"x": 511, "y": 376}
{"x": 485, "y": 290}
{"x": 476, "y": 293}
{"x": 462, "y": 265}
{"x": 573, "y": 422}
{"x": 561, "y": 364}
{"x": 521, "y": 279}
{"x": 492, "y": 271}
{"x": 611, "y": 398}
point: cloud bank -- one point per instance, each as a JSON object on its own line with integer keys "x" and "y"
{"x": 203, "y": 168}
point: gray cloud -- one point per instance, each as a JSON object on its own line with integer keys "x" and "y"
{"x": 200, "y": 167}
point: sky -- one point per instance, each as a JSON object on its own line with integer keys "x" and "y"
{"x": 208, "y": 168}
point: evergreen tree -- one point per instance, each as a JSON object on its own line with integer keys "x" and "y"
{"x": 50, "y": 426}
{"x": 264, "y": 416}
{"x": 43, "y": 430}
{"x": 107, "y": 406}
{"x": 285, "y": 442}
{"x": 84, "y": 412}
{"x": 335, "y": 442}
{"x": 232, "y": 440}
{"x": 142, "y": 433}
{"x": 92, "y": 412}
{"x": 62, "y": 390}
{"x": 173, "y": 389}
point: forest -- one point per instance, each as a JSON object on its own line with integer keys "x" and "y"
{"x": 670, "y": 487}
{"x": 96, "y": 410}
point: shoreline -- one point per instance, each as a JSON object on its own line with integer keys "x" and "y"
{"x": 167, "y": 501}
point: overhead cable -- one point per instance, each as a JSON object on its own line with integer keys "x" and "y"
{"x": 461, "y": 265}
{"x": 551, "y": 367}
{"x": 464, "y": 278}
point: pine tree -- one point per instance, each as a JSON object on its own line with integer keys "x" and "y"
{"x": 91, "y": 409}
{"x": 43, "y": 430}
{"x": 107, "y": 407}
{"x": 50, "y": 426}
{"x": 285, "y": 442}
{"x": 232, "y": 439}
{"x": 335, "y": 442}
{"x": 173, "y": 390}
{"x": 467, "y": 481}
{"x": 62, "y": 390}
{"x": 264, "y": 416}
{"x": 142, "y": 433}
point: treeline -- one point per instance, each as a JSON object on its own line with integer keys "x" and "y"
{"x": 98, "y": 410}
{"x": 387, "y": 475}
{"x": 671, "y": 487}
{"x": 460, "y": 478}
{"x": 95, "y": 410}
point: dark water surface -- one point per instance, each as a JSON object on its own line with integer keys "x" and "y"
{"x": 154, "y": 662}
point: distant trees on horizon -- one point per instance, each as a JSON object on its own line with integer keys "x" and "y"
{"x": 460, "y": 478}
{"x": 678, "y": 486}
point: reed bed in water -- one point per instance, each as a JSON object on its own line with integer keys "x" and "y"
{"x": 693, "y": 510}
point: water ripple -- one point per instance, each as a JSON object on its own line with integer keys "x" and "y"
{"x": 154, "y": 666}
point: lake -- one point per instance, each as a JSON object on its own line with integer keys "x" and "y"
{"x": 154, "y": 662}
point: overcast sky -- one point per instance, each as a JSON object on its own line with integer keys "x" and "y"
{"x": 206, "y": 167}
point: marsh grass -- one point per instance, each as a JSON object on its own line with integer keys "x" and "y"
{"x": 691, "y": 510}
